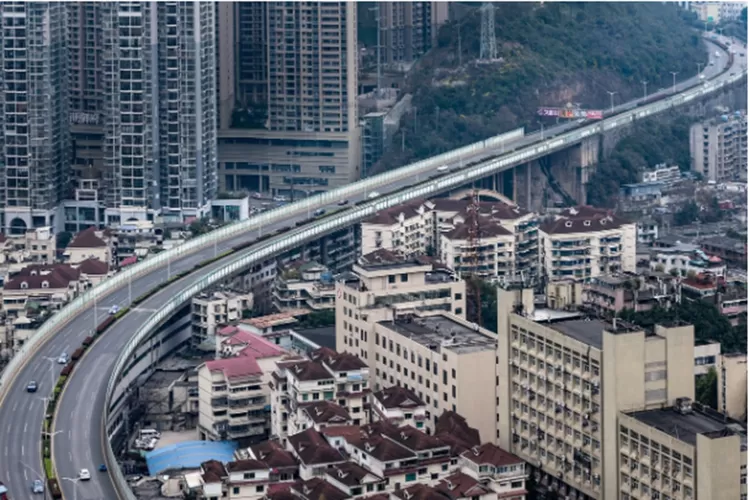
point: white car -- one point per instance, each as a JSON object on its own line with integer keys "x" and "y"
{"x": 63, "y": 359}
{"x": 114, "y": 310}
{"x": 84, "y": 475}
{"x": 374, "y": 194}
{"x": 444, "y": 168}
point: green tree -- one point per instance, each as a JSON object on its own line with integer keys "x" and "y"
{"x": 706, "y": 388}
{"x": 486, "y": 294}
{"x": 63, "y": 239}
{"x": 687, "y": 214}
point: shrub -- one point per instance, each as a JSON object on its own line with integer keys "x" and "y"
{"x": 67, "y": 369}
{"x": 54, "y": 488}
{"x": 48, "y": 468}
{"x": 104, "y": 325}
{"x": 88, "y": 341}
{"x": 77, "y": 354}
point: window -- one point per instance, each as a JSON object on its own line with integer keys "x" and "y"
{"x": 411, "y": 477}
{"x": 236, "y": 490}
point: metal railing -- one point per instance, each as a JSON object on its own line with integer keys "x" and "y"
{"x": 294, "y": 237}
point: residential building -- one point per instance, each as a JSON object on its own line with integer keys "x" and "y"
{"x": 504, "y": 244}
{"x": 90, "y": 244}
{"x": 136, "y": 238}
{"x": 399, "y": 406}
{"x": 610, "y": 294}
{"x": 585, "y": 242}
{"x": 37, "y": 246}
{"x": 499, "y": 473}
{"x": 274, "y": 100}
{"x": 730, "y": 297}
{"x": 567, "y": 385}
{"x": 685, "y": 452}
{"x": 408, "y": 30}
{"x": 707, "y": 356}
{"x": 380, "y": 125}
{"x": 213, "y": 309}
{"x": 732, "y": 381}
{"x": 647, "y": 231}
{"x": 50, "y": 286}
{"x": 233, "y": 392}
{"x": 666, "y": 174}
{"x": 325, "y": 376}
{"x": 732, "y": 251}
{"x": 303, "y": 285}
{"x": 641, "y": 198}
{"x": 718, "y": 148}
{"x": 34, "y": 149}
{"x": 384, "y": 286}
{"x": 686, "y": 259}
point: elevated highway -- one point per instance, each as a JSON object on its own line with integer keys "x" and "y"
{"x": 78, "y": 442}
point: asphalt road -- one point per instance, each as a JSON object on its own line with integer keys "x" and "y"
{"x": 77, "y": 442}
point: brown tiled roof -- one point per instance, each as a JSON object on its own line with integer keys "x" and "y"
{"x": 316, "y": 489}
{"x": 381, "y": 448}
{"x": 313, "y": 449}
{"x": 490, "y": 454}
{"x": 87, "y": 239}
{"x": 497, "y": 209}
{"x": 273, "y": 455}
{"x": 309, "y": 370}
{"x": 338, "y": 361}
{"x": 452, "y": 423}
{"x": 323, "y": 412}
{"x": 56, "y": 276}
{"x": 457, "y": 444}
{"x": 377, "y": 496}
{"x": 389, "y": 216}
{"x": 419, "y": 492}
{"x": 487, "y": 229}
{"x": 582, "y": 219}
{"x": 398, "y": 397}
{"x": 94, "y": 267}
{"x": 414, "y": 439}
{"x": 281, "y": 491}
{"x": 213, "y": 471}
{"x": 245, "y": 465}
{"x": 460, "y": 485}
{"x": 349, "y": 473}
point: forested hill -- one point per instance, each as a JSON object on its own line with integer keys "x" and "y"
{"x": 552, "y": 54}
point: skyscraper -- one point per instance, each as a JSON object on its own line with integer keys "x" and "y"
{"x": 289, "y": 118}
{"x": 34, "y": 143}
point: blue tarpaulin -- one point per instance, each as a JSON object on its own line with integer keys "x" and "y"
{"x": 188, "y": 455}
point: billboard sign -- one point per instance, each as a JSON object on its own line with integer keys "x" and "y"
{"x": 571, "y": 113}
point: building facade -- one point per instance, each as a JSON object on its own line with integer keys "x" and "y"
{"x": 718, "y": 148}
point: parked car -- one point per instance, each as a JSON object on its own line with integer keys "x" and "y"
{"x": 84, "y": 475}
{"x": 31, "y": 387}
{"x": 37, "y": 486}
{"x": 63, "y": 359}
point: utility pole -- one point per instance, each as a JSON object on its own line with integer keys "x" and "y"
{"x": 377, "y": 49}
{"x": 488, "y": 46}
{"x": 645, "y": 85}
{"x": 674, "y": 80}
{"x": 612, "y": 100}
{"x": 459, "y": 43}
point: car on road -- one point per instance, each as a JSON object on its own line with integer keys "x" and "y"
{"x": 84, "y": 475}
{"x": 31, "y": 386}
{"x": 444, "y": 168}
{"x": 103, "y": 468}
{"x": 63, "y": 359}
{"x": 114, "y": 310}
{"x": 319, "y": 212}
{"x": 279, "y": 198}
{"x": 343, "y": 202}
{"x": 37, "y": 486}
{"x": 374, "y": 194}
{"x": 256, "y": 195}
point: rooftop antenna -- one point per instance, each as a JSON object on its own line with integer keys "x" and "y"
{"x": 488, "y": 47}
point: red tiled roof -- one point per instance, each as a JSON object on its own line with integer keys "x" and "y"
{"x": 87, "y": 239}
{"x": 238, "y": 367}
{"x": 419, "y": 492}
{"x": 213, "y": 471}
{"x": 129, "y": 261}
{"x": 309, "y": 370}
{"x": 413, "y": 439}
{"x": 313, "y": 449}
{"x": 273, "y": 455}
{"x": 397, "y": 396}
{"x": 245, "y": 465}
{"x": 338, "y": 361}
{"x": 582, "y": 219}
{"x": 322, "y": 412}
{"x": 56, "y": 276}
{"x": 490, "y": 454}
{"x": 316, "y": 489}
{"x": 454, "y": 424}
{"x": 349, "y": 473}
{"x": 94, "y": 267}
{"x": 460, "y": 485}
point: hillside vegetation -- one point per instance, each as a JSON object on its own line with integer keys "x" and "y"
{"x": 552, "y": 54}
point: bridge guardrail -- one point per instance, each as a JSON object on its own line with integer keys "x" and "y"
{"x": 294, "y": 236}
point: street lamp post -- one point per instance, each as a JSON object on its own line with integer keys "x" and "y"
{"x": 674, "y": 80}
{"x": 51, "y": 371}
{"x": 41, "y": 478}
{"x": 645, "y": 86}
{"x": 542, "y": 130}
{"x": 73, "y": 480}
{"x": 700, "y": 66}
{"x": 612, "y": 100}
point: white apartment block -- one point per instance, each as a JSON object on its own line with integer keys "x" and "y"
{"x": 213, "y": 309}
{"x": 233, "y": 392}
{"x": 585, "y": 242}
{"x": 569, "y": 385}
{"x": 338, "y": 378}
{"x": 384, "y": 286}
{"x": 504, "y": 244}
{"x": 34, "y": 143}
{"x": 35, "y": 246}
{"x": 303, "y": 285}
{"x": 667, "y": 174}
{"x": 718, "y": 148}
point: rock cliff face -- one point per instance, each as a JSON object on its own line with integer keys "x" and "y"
{"x": 550, "y": 55}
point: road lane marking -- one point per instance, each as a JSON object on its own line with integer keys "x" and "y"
{"x": 22, "y": 450}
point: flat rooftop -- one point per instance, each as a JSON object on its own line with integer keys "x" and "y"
{"x": 588, "y": 331}
{"x": 435, "y": 332}
{"x": 686, "y": 427}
